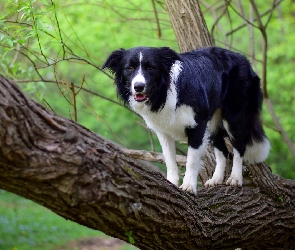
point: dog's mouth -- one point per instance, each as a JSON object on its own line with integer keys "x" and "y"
{"x": 140, "y": 97}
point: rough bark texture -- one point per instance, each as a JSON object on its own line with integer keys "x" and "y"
{"x": 188, "y": 23}
{"x": 84, "y": 178}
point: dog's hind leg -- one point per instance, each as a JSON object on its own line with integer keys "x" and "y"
{"x": 218, "y": 175}
{"x": 217, "y": 140}
{"x": 236, "y": 176}
{"x": 239, "y": 137}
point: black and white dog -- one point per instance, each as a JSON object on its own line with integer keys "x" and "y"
{"x": 185, "y": 96}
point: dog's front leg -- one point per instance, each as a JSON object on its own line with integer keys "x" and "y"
{"x": 197, "y": 143}
{"x": 168, "y": 148}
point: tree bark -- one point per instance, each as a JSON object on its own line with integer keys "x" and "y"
{"x": 189, "y": 25}
{"x": 85, "y": 178}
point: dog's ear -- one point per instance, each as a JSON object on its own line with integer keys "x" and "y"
{"x": 114, "y": 60}
{"x": 169, "y": 56}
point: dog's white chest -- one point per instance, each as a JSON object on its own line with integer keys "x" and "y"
{"x": 170, "y": 119}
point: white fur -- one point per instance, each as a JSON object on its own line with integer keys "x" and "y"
{"x": 193, "y": 166}
{"x": 226, "y": 126}
{"x": 170, "y": 120}
{"x": 139, "y": 76}
{"x": 218, "y": 175}
{"x": 257, "y": 152}
{"x": 236, "y": 176}
{"x": 175, "y": 71}
{"x": 215, "y": 121}
{"x": 168, "y": 148}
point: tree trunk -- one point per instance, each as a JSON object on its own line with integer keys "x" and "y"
{"x": 82, "y": 177}
{"x": 188, "y": 23}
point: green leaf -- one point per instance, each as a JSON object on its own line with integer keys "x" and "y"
{"x": 130, "y": 238}
{"x": 44, "y": 2}
{"x": 3, "y": 16}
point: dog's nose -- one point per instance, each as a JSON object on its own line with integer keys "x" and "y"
{"x": 139, "y": 86}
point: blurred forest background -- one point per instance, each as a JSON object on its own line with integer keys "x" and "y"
{"x": 54, "y": 51}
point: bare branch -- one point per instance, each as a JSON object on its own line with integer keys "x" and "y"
{"x": 279, "y": 127}
{"x": 240, "y": 15}
{"x": 74, "y": 100}
{"x": 251, "y": 33}
{"x": 262, "y": 29}
{"x": 262, "y": 15}
{"x": 153, "y": 156}
{"x": 216, "y": 22}
{"x": 157, "y": 19}
{"x": 58, "y": 28}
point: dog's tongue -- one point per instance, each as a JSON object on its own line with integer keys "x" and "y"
{"x": 140, "y": 97}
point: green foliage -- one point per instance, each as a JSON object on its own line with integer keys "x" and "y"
{"x": 130, "y": 238}
{"x": 25, "y": 225}
{"x": 281, "y": 80}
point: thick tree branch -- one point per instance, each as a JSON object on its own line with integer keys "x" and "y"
{"x": 84, "y": 178}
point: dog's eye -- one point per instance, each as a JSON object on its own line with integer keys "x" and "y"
{"x": 130, "y": 68}
{"x": 150, "y": 68}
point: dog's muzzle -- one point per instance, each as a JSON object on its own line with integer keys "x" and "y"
{"x": 139, "y": 96}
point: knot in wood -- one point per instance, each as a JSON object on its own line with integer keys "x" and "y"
{"x": 71, "y": 136}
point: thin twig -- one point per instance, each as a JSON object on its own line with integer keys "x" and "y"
{"x": 275, "y": 2}
{"x": 58, "y": 28}
{"x": 157, "y": 19}
{"x": 37, "y": 34}
{"x": 74, "y": 101}
{"x": 251, "y": 33}
{"x": 15, "y": 55}
{"x": 217, "y": 18}
{"x": 279, "y": 126}
{"x": 245, "y": 24}
{"x": 240, "y": 15}
{"x": 76, "y": 86}
{"x": 262, "y": 29}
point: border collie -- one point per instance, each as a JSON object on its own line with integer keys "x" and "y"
{"x": 209, "y": 91}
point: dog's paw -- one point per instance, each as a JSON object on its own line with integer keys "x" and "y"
{"x": 189, "y": 183}
{"x": 189, "y": 188}
{"x": 174, "y": 179}
{"x": 235, "y": 181}
{"x": 214, "y": 181}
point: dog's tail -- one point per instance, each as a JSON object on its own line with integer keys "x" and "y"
{"x": 257, "y": 151}
{"x": 258, "y": 148}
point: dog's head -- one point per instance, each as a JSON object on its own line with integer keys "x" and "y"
{"x": 142, "y": 74}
